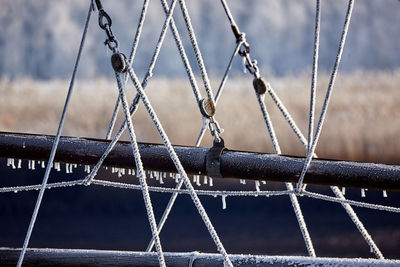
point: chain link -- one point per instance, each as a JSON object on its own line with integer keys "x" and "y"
{"x": 215, "y": 129}
{"x": 105, "y": 23}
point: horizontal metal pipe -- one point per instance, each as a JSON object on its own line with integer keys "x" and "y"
{"x": 90, "y": 257}
{"x": 234, "y": 164}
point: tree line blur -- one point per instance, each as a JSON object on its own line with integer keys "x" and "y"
{"x": 39, "y": 39}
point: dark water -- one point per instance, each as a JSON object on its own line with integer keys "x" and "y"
{"x": 109, "y": 218}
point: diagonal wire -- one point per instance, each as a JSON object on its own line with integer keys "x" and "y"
{"x": 345, "y": 203}
{"x": 289, "y": 186}
{"x": 140, "y": 171}
{"x": 179, "y": 167}
{"x": 172, "y": 199}
{"x": 56, "y": 140}
{"x": 314, "y": 75}
{"x": 133, "y": 107}
{"x": 131, "y": 57}
{"x": 328, "y": 95}
{"x": 197, "y": 52}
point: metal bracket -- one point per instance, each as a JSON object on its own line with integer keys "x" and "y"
{"x": 213, "y": 163}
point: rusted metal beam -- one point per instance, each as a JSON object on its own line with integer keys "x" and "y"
{"x": 234, "y": 164}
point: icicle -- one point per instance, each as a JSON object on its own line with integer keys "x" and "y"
{"x": 384, "y": 193}
{"x": 151, "y": 174}
{"x": 223, "y": 197}
{"x": 211, "y": 181}
{"x": 67, "y": 167}
{"x": 133, "y": 172}
{"x": 87, "y": 168}
{"x": 10, "y": 162}
{"x": 119, "y": 172}
{"x": 129, "y": 172}
{"x": 161, "y": 179}
{"x": 32, "y": 164}
{"x": 242, "y": 181}
{"x": 112, "y": 169}
{"x": 42, "y": 165}
{"x": 177, "y": 177}
{"x": 171, "y": 175}
{"x": 29, "y": 165}
{"x": 344, "y": 190}
{"x": 57, "y": 166}
{"x": 205, "y": 180}
{"x": 257, "y": 183}
{"x": 362, "y": 192}
{"x": 371, "y": 250}
{"x": 164, "y": 175}
{"x": 156, "y": 175}
{"x": 19, "y": 164}
{"x": 198, "y": 180}
{"x": 264, "y": 182}
{"x": 70, "y": 168}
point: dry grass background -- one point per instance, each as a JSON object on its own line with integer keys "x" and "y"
{"x": 363, "y": 121}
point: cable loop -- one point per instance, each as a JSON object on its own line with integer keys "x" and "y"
{"x": 244, "y": 49}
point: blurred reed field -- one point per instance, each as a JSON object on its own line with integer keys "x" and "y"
{"x": 363, "y": 121}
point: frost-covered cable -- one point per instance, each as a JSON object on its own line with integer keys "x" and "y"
{"x": 183, "y": 54}
{"x": 197, "y": 52}
{"x": 314, "y": 74}
{"x": 327, "y": 96}
{"x": 171, "y": 201}
{"x": 179, "y": 166}
{"x": 286, "y": 114}
{"x": 335, "y": 189}
{"x": 140, "y": 171}
{"x": 228, "y": 12}
{"x": 131, "y": 57}
{"x": 345, "y": 201}
{"x": 133, "y": 107}
{"x": 289, "y": 186}
{"x": 360, "y": 226}
{"x": 56, "y": 141}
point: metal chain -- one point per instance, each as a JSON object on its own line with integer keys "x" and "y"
{"x": 105, "y": 23}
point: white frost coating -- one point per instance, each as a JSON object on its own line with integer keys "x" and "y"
{"x": 237, "y": 259}
{"x": 223, "y": 197}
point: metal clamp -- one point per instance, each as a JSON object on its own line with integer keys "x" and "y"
{"x": 213, "y": 159}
